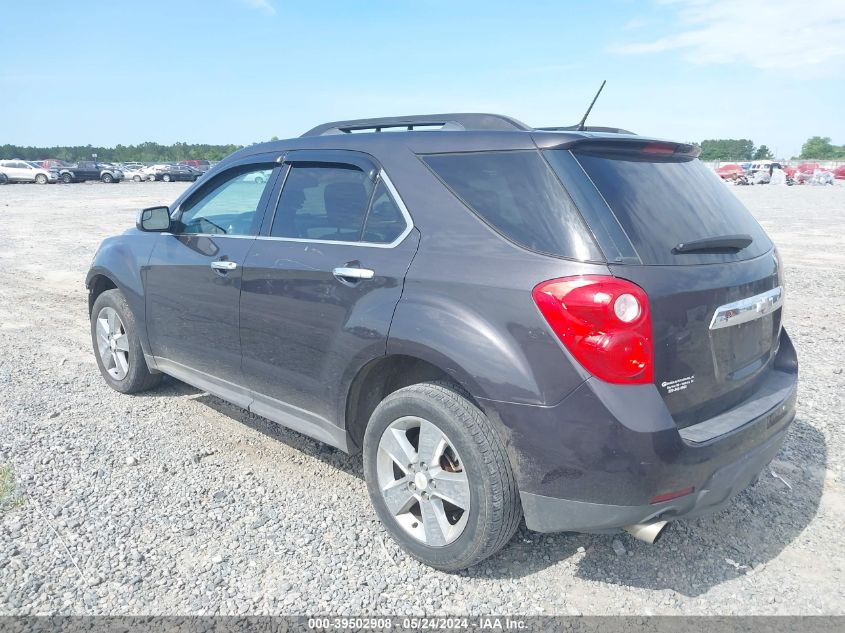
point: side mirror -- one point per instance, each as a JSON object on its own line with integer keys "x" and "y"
{"x": 154, "y": 219}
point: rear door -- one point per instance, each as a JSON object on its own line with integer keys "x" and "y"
{"x": 712, "y": 277}
{"x": 321, "y": 284}
{"x": 19, "y": 172}
{"x": 193, "y": 280}
{"x": 87, "y": 171}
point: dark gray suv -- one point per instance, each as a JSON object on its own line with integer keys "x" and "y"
{"x": 577, "y": 326}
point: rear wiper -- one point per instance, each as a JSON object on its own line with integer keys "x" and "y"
{"x": 721, "y": 242}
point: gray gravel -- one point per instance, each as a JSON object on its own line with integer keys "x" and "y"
{"x": 174, "y": 502}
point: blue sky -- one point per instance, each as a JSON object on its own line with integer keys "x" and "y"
{"x": 240, "y": 71}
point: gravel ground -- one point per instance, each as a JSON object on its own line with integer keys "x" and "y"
{"x": 174, "y": 502}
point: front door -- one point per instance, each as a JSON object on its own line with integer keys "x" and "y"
{"x": 320, "y": 287}
{"x": 193, "y": 280}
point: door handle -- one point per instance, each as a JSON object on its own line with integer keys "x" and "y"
{"x": 344, "y": 273}
{"x": 224, "y": 265}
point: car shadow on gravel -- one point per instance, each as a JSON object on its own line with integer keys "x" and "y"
{"x": 692, "y": 556}
{"x": 350, "y": 464}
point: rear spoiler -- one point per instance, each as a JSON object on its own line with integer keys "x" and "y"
{"x": 651, "y": 148}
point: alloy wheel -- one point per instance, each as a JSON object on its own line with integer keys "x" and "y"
{"x": 113, "y": 343}
{"x": 422, "y": 481}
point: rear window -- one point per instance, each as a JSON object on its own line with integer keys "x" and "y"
{"x": 663, "y": 203}
{"x": 518, "y": 194}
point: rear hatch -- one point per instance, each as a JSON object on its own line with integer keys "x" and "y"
{"x": 668, "y": 224}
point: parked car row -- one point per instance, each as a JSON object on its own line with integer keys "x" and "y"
{"x": 802, "y": 173}
{"x": 53, "y": 170}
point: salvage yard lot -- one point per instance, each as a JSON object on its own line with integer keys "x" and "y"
{"x": 174, "y": 501}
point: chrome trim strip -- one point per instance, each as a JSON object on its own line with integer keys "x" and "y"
{"x": 234, "y": 237}
{"x": 746, "y": 310}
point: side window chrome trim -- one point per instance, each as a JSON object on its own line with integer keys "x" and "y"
{"x": 409, "y": 223}
{"x": 234, "y": 237}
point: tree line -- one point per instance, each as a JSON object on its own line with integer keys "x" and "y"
{"x": 143, "y": 152}
{"x": 818, "y": 147}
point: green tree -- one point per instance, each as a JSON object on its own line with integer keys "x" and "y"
{"x": 727, "y": 149}
{"x": 143, "y": 152}
{"x": 821, "y": 148}
{"x": 763, "y": 153}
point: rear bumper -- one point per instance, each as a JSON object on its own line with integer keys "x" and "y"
{"x": 548, "y": 514}
{"x": 596, "y": 460}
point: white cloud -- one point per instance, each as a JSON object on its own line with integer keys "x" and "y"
{"x": 261, "y": 5}
{"x": 804, "y": 39}
{"x": 634, "y": 24}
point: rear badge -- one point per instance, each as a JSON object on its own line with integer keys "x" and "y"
{"x": 671, "y": 386}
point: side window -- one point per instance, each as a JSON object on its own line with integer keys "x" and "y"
{"x": 228, "y": 204}
{"x": 385, "y": 221}
{"x": 323, "y": 201}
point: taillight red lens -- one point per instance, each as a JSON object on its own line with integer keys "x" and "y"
{"x": 659, "y": 148}
{"x": 604, "y": 322}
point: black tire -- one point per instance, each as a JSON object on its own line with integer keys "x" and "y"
{"x": 67, "y": 178}
{"x": 166, "y": 178}
{"x": 3, "y": 179}
{"x": 136, "y": 178}
{"x": 495, "y": 510}
{"x": 107, "y": 178}
{"x": 40, "y": 179}
{"x": 138, "y": 377}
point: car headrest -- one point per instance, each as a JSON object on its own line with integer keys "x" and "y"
{"x": 346, "y": 204}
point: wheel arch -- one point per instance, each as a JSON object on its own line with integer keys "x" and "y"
{"x": 386, "y": 374}
{"x": 119, "y": 264}
{"x": 97, "y": 284}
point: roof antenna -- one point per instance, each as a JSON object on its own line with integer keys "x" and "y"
{"x": 580, "y": 126}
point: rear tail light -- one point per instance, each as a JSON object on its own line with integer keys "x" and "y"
{"x": 605, "y": 324}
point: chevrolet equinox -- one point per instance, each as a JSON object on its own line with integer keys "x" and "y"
{"x": 578, "y": 326}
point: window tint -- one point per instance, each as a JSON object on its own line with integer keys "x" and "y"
{"x": 661, "y": 204}
{"x": 323, "y": 202}
{"x": 228, "y": 205}
{"x": 385, "y": 221}
{"x": 518, "y": 194}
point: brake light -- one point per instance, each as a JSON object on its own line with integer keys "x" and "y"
{"x": 605, "y": 324}
{"x": 659, "y": 148}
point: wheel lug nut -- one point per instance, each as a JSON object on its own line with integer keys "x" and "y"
{"x": 425, "y": 496}
{"x": 412, "y": 486}
{"x": 423, "y": 466}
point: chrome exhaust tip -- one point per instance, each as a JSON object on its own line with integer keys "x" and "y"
{"x": 646, "y": 532}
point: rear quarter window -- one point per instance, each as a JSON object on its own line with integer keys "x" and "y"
{"x": 518, "y": 194}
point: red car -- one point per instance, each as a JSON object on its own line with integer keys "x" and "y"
{"x": 731, "y": 170}
{"x": 808, "y": 168}
{"x": 202, "y": 165}
{"x": 839, "y": 172}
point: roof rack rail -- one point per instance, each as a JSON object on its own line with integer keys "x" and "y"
{"x": 455, "y": 121}
{"x": 586, "y": 128}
